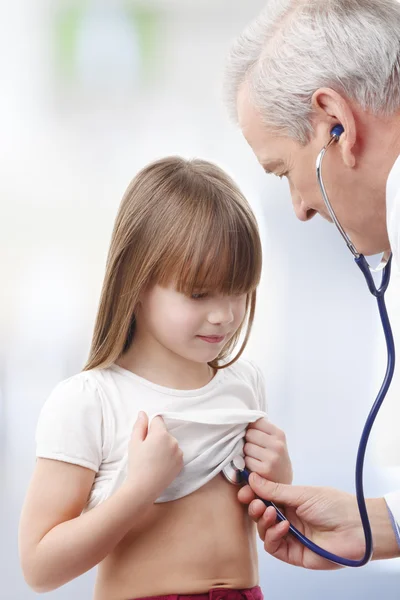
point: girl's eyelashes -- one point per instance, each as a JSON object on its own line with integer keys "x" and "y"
{"x": 199, "y": 295}
{"x": 202, "y": 295}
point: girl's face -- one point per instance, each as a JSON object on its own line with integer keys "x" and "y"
{"x": 193, "y": 327}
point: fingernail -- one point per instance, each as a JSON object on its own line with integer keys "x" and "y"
{"x": 141, "y": 415}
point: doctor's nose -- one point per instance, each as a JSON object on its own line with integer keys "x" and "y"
{"x": 302, "y": 212}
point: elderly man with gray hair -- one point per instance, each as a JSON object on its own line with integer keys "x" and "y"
{"x": 303, "y": 67}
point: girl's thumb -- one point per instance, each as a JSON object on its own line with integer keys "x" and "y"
{"x": 139, "y": 432}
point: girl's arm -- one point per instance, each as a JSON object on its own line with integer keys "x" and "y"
{"x": 57, "y": 543}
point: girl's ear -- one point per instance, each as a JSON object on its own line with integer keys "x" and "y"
{"x": 142, "y": 296}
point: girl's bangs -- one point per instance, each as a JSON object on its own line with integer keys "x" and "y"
{"x": 226, "y": 261}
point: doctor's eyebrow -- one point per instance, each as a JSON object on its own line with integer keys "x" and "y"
{"x": 272, "y": 166}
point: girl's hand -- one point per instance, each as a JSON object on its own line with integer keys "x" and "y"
{"x": 154, "y": 457}
{"x": 266, "y": 452}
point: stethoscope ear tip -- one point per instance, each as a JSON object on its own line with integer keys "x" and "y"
{"x": 337, "y": 130}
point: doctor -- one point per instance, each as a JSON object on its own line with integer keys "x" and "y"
{"x": 301, "y": 68}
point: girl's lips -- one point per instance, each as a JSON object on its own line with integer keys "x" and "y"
{"x": 212, "y": 339}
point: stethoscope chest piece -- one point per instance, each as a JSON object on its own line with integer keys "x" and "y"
{"x": 234, "y": 469}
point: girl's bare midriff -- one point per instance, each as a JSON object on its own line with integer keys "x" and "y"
{"x": 188, "y": 546}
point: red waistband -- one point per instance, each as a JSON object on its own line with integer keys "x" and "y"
{"x": 254, "y": 593}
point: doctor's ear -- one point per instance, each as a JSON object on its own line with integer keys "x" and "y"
{"x": 331, "y": 108}
{"x": 346, "y": 144}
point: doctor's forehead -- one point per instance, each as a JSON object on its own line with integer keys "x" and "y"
{"x": 269, "y": 148}
{"x": 249, "y": 119}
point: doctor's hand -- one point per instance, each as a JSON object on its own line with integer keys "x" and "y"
{"x": 328, "y": 517}
{"x": 266, "y": 452}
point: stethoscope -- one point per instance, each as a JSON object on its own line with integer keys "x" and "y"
{"x": 236, "y": 471}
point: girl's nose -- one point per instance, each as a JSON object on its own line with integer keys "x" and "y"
{"x": 221, "y": 314}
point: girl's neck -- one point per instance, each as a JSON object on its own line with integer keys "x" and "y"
{"x": 162, "y": 367}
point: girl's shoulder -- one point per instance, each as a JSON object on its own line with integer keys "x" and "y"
{"x": 71, "y": 425}
{"x": 247, "y": 370}
{"x": 77, "y": 399}
{"x": 80, "y": 389}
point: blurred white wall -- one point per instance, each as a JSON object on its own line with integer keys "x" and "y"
{"x": 83, "y": 107}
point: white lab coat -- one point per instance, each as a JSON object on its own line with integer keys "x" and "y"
{"x": 393, "y": 224}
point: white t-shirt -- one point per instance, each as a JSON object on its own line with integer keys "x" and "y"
{"x": 88, "y": 419}
{"x": 393, "y": 225}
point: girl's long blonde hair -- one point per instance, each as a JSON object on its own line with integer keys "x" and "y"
{"x": 179, "y": 221}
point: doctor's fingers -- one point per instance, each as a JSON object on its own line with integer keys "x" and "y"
{"x": 270, "y": 532}
{"x": 246, "y": 495}
{"x": 275, "y": 542}
{"x": 257, "y": 510}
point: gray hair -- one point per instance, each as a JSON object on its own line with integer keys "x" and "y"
{"x": 296, "y": 47}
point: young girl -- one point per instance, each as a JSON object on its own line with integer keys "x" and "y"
{"x": 151, "y": 506}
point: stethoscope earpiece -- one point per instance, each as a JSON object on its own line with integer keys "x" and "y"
{"x": 337, "y": 131}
